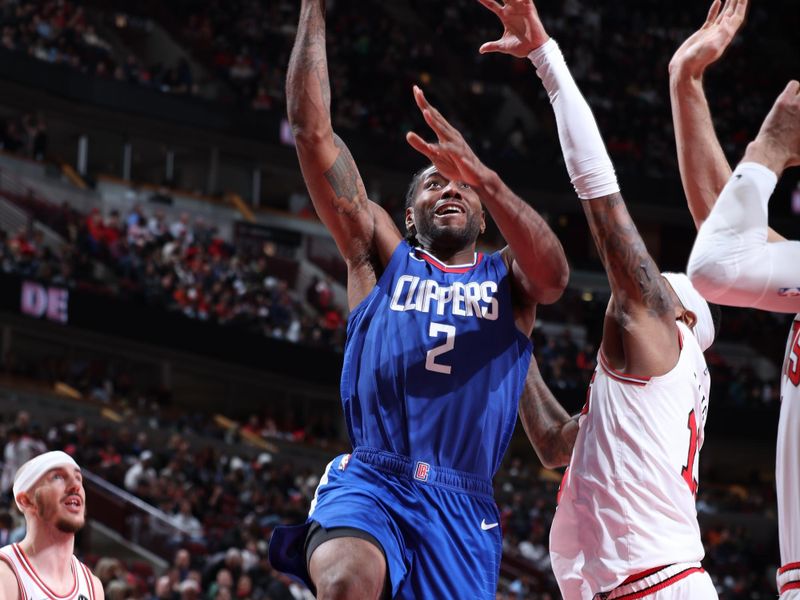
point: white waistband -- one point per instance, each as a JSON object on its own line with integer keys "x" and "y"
{"x": 650, "y": 584}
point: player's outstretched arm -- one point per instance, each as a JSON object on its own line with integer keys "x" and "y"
{"x": 534, "y": 254}
{"x": 703, "y": 166}
{"x": 360, "y": 228}
{"x": 551, "y": 431}
{"x": 641, "y": 302}
{"x": 732, "y": 262}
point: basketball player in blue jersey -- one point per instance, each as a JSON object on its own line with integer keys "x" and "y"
{"x": 436, "y": 356}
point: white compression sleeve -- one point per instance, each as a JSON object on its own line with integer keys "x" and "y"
{"x": 588, "y": 164}
{"x": 731, "y": 262}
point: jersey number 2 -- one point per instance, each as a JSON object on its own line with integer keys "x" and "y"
{"x": 449, "y": 342}
{"x": 688, "y": 470}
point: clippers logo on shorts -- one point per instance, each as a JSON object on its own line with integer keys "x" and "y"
{"x": 421, "y": 471}
{"x": 790, "y": 292}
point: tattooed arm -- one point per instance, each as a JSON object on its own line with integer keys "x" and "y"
{"x": 550, "y": 429}
{"x": 639, "y": 335}
{"x": 364, "y": 233}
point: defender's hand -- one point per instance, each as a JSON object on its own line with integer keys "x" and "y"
{"x": 706, "y": 45}
{"x": 524, "y": 31}
{"x": 777, "y": 144}
{"x": 451, "y": 156}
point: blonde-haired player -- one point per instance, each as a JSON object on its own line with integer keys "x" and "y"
{"x": 49, "y": 491}
{"x": 737, "y": 259}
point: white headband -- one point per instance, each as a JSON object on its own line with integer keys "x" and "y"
{"x": 692, "y": 300}
{"x": 29, "y": 473}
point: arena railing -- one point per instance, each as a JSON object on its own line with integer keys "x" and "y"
{"x": 134, "y": 519}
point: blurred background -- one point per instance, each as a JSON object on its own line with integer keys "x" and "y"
{"x": 172, "y": 313}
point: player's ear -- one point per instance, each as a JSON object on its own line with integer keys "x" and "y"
{"x": 25, "y": 500}
{"x": 409, "y": 218}
{"x": 483, "y": 221}
{"x": 689, "y": 318}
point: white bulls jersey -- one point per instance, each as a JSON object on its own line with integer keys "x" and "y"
{"x": 32, "y": 587}
{"x": 787, "y": 467}
{"x": 627, "y": 501}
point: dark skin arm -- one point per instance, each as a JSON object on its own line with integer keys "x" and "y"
{"x": 639, "y": 334}
{"x": 551, "y": 431}
{"x": 363, "y": 231}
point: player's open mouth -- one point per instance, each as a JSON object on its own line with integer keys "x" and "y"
{"x": 448, "y": 208}
{"x": 73, "y": 502}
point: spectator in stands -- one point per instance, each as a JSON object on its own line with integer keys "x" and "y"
{"x": 141, "y": 473}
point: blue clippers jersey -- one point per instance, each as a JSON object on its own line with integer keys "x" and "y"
{"x": 434, "y": 364}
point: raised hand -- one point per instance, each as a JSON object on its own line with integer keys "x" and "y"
{"x": 451, "y": 156}
{"x": 524, "y": 31}
{"x": 707, "y": 44}
{"x": 777, "y": 144}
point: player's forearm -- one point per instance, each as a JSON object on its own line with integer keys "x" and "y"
{"x": 703, "y": 167}
{"x": 308, "y": 90}
{"x": 551, "y": 431}
{"x": 632, "y": 273}
{"x": 536, "y": 249}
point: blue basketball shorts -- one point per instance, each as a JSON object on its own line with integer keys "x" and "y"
{"x": 438, "y": 528}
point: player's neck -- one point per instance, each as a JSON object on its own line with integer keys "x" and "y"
{"x": 50, "y": 552}
{"x": 451, "y": 256}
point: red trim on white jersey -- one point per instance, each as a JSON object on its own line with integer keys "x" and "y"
{"x": 431, "y": 259}
{"x": 21, "y": 587}
{"x": 793, "y": 582}
{"x": 788, "y": 567}
{"x": 793, "y": 585}
{"x": 20, "y": 554}
{"x": 89, "y": 583}
{"x": 621, "y": 594}
{"x": 618, "y": 375}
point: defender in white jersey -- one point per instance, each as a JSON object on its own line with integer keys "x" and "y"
{"x": 737, "y": 259}
{"x": 49, "y": 491}
{"x": 626, "y": 525}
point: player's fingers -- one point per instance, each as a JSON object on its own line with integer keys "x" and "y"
{"x": 713, "y": 12}
{"x": 741, "y": 10}
{"x": 494, "y": 46}
{"x": 492, "y": 5}
{"x": 793, "y": 88}
{"x": 722, "y": 12}
{"x": 432, "y": 116}
{"x": 419, "y": 98}
{"x": 420, "y": 145}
